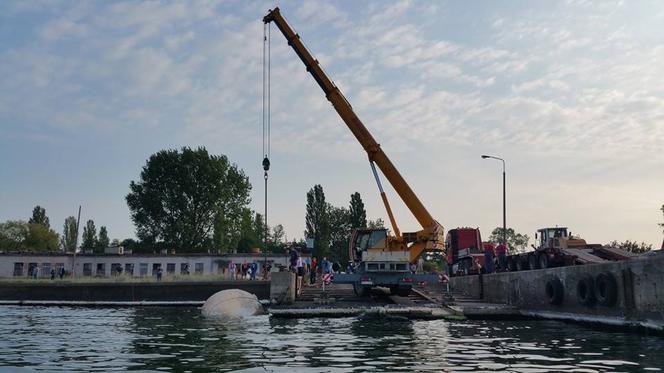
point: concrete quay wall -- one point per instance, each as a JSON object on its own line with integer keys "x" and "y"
{"x": 639, "y": 302}
{"x": 127, "y": 292}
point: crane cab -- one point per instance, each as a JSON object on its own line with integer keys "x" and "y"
{"x": 370, "y": 249}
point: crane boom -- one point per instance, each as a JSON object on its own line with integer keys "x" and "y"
{"x": 345, "y": 111}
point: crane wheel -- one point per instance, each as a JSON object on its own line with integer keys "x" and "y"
{"x": 533, "y": 263}
{"x": 607, "y": 289}
{"x": 543, "y": 261}
{"x": 555, "y": 291}
{"x": 511, "y": 264}
{"x": 520, "y": 265}
{"x": 585, "y": 291}
{"x": 361, "y": 290}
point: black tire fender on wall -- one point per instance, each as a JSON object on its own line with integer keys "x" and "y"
{"x": 555, "y": 291}
{"x": 585, "y": 291}
{"x": 606, "y": 288}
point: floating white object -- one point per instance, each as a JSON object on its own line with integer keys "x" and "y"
{"x": 232, "y": 303}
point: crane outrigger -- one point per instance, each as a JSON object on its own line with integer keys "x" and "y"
{"x": 381, "y": 259}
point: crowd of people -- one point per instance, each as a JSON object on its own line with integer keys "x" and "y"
{"x": 246, "y": 271}
{"x": 495, "y": 258}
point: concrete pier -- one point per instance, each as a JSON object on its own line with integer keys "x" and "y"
{"x": 637, "y": 286}
{"x": 113, "y": 293}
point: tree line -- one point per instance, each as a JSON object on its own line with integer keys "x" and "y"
{"x": 330, "y": 226}
{"x": 190, "y": 201}
{"x": 36, "y": 235}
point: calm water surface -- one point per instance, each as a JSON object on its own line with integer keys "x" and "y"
{"x": 178, "y": 339}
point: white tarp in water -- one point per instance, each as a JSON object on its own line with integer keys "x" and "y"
{"x": 232, "y": 303}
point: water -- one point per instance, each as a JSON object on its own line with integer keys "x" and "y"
{"x": 178, "y": 339}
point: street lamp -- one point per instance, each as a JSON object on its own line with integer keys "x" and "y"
{"x": 504, "y": 218}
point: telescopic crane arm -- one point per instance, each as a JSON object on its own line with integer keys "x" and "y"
{"x": 432, "y": 230}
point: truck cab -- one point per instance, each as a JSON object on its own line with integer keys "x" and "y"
{"x": 464, "y": 249}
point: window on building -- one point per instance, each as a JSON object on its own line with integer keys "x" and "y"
{"x": 58, "y": 266}
{"x": 18, "y": 269}
{"x": 129, "y": 269}
{"x": 143, "y": 269}
{"x": 170, "y": 268}
{"x": 101, "y": 269}
{"x": 155, "y": 268}
{"x": 184, "y": 268}
{"x": 198, "y": 269}
{"x": 116, "y": 269}
{"x": 87, "y": 269}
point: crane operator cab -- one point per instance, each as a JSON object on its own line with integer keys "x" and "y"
{"x": 369, "y": 247}
{"x": 365, "y": 239}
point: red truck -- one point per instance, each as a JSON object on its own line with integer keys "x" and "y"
{"x": 557, "y": 248}
{"x": 465, "y": 251}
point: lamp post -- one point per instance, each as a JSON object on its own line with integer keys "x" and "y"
{"x": 504, "y": 215}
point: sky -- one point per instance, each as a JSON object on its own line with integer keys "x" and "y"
{"x": 569, "y": 93}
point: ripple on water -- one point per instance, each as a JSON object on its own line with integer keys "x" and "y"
{"x": 71, "y": 339}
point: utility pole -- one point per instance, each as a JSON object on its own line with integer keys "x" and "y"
{"x": 504, "y": 202}
{"x": 73, "y": 263}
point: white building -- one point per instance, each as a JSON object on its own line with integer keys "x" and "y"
{"x": 137, "y": 265}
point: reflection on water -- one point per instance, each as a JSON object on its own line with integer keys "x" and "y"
{"x": 178, "y": 339}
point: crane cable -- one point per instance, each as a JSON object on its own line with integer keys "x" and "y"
{"x": 266, "y": 119}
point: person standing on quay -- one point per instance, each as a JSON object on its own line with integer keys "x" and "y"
{"x": 159, "y": 274}
{"x": 488, "y": 257}
{"x": 254, "y": 269}
{"x": 501, "y": 250}
{"x": 312, "y": 272}
{"x": 231, "y": 269}
{"x": 61, "y": 272}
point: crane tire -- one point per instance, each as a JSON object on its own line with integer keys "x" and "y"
{"x": 403, "y": 291}
{"x": 555, "y": 291}
{"x": 520, "y": 265}
{"x": 361, "y": 290}
{"x": 607, "y": 289}
{"x": 533, "y": 263}
{"x": 585, "y": 291}
{"x": 543, "y": 260}
{"x": 511, "y": 264}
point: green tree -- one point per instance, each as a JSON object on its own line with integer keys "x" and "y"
{"x": 89, "y": 235}
{"x": 69, "y": 235}
{"x": 632, "y": 247}
{"x": 39, "y": 217}
{"x": 277, "y": 240}
{"x": 12, "y": 234}
{"x": 136, "y": 247}
{"x": 259, "y": 229}
{"x": 340, "y": 229}
{"x": 317, "y": 223}
{"x": 516, "y": 242}
{"x": 376, "y": 224}
{"x": 179, "y": 195}
{"x": 41, "y": 238}
{"x": 103, "y": 240}
{"x": 248, "y": 238}
{"x": 227, "y": 232}
{"x": 357, "y": 213}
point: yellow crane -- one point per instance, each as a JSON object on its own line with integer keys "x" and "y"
{"x": 373, "y": 249}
